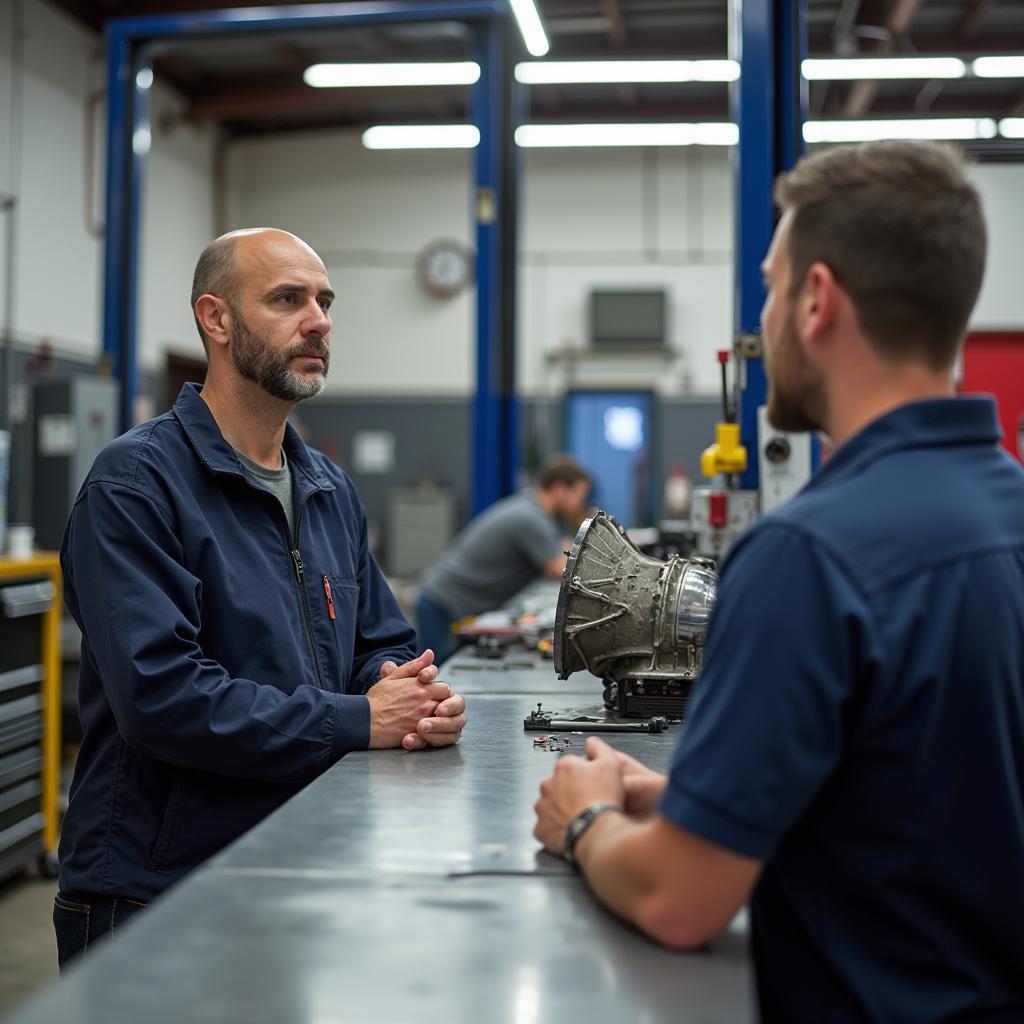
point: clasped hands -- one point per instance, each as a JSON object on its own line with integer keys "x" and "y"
{"x": 410, "y": 707}
{"x": 607, "y": 776}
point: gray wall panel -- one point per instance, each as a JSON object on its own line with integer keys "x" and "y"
{"x": 433, "y": 440}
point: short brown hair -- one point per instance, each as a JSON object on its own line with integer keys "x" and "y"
{"x": 561, "y": 469}
{"x": 902, "y": 229}
{"x": 215, "y": 273}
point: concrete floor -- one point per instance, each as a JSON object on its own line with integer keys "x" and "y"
{"x": 28, "y": 952}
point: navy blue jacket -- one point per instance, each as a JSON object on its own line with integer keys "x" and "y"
{"x": 221, "y": 669}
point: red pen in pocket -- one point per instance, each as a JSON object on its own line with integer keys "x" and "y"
{"x": 327, "y": 594}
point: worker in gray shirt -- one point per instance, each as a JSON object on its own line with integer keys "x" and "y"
{"x": 502, "y": 550}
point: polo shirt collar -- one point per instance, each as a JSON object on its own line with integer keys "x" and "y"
{"x": 214, "y": 451}
{"x": 934, "y": 422}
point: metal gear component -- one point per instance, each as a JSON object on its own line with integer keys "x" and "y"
{"x": 625, "y": 616}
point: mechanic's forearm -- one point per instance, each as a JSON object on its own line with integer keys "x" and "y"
{"x": 611, "y": 857}
{"x": 616, "y": 856}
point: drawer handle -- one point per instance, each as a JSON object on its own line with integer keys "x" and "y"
{"x": 28, "y": 599}
{"x": 25, "y": 676}
{"x": 15, "y": 709}
{"x": 21, "y": 831}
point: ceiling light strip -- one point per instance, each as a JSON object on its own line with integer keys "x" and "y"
{"x": 835, "y": 69}
{"x": 334, "y": 76}
{"x": 723, "y": 133}
{"x": 998, "y": 67}
{"x": 421, "y": 136}
{"x": 937, "y": 128}
{"x": 586, "y": 135}
{"x": 534, "y": 37}
{"x": 580, "y": 72}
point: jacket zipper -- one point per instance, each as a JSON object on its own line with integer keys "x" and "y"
{"x": 303, "y": 603}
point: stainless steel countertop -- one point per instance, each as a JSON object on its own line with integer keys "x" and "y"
{"x": 401, "y": 887}
{"x": 456, "y": 811}
{"x": 401, "y": 949}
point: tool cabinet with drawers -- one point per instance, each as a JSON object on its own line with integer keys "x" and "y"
{"x": 29, "y": 712}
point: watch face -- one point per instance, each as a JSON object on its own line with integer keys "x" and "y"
{"x": 444, "y": 268}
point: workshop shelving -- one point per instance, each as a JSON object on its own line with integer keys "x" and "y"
{"x": 30, "y": 601}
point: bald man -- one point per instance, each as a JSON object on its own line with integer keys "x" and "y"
{"x": 238, "y": 637}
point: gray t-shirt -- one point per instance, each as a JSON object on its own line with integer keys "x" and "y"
{"x": 278, "y": 482}
{"x": 494, "y": 557}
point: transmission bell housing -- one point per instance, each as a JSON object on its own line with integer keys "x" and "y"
{"x": 636, "y": 622}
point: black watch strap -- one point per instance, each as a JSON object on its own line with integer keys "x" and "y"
{"x": 578, "y": 825}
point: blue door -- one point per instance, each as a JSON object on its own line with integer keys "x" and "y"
{"x": 610, "y": 433}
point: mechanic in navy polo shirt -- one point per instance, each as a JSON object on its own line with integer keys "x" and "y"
{"x": 854, "y": 762}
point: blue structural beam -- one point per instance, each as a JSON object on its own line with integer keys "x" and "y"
{"x": 495, "y": 438}
{"x": 120, "y": 273}
{"x": 769, "y": 101}
{"x": 130, "y": 42}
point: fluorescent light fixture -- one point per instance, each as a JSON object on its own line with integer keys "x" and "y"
{"x": 834, "y": 69}
{"x": 466, "y": 136}
{"x": 333, "y": 76}
{"x": 568, "y": 72}
{"x": 998, "y": 67}
{"x": 572, "y": 135}
{"x": 1012, "y": 127}
{"x": 421, "y": 136}
{"x": 528, "y": 20}
{"x": 960, "y": 128}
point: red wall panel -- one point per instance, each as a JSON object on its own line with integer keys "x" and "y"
{"x": 994, "y": 364}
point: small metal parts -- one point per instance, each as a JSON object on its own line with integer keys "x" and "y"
{"x": 554, "y": 743}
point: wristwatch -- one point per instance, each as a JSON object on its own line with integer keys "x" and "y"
{"x": 575, "y": 829}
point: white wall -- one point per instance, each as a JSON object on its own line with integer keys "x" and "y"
{"x": 589, "y": 218}
{"x": 178, "y": 220}
{"x": 624, "y": 218}
{"x": 57, "y": 285}
{"x": 1001, "y": 303}
{"x": 43, "y": 156}
{"x": 368, "y": 214}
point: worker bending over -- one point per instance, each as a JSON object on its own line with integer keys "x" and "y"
{"x": 515, "y": 541}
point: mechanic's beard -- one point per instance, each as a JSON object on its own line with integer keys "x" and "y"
{"x": 255, "y": 360}
{"x": 796, "y": 393}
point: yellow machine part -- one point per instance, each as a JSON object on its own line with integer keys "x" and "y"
{"x": 726, "y": 455}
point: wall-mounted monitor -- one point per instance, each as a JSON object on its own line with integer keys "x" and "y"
{"x": 627, "y": 318}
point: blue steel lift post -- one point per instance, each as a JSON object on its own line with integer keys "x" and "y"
{"x": 130, "y": 46}
{"x": 496, "y": 434}
{"x": 769, "y": 103}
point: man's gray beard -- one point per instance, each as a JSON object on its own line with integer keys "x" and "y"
{"x": 255, "y": 360}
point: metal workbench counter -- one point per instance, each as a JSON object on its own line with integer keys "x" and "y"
{"x": 401, "y": 887}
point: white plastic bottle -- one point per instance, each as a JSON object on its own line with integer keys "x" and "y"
{"x": 676, "y": 496}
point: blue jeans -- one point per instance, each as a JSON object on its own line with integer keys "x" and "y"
{"x": 434, "y": 628}
{"x": 82, "y": 919}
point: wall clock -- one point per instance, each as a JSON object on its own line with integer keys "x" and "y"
{"x": 445, "y": 267}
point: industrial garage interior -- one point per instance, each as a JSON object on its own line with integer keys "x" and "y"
{"x": 542, "y": 228}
